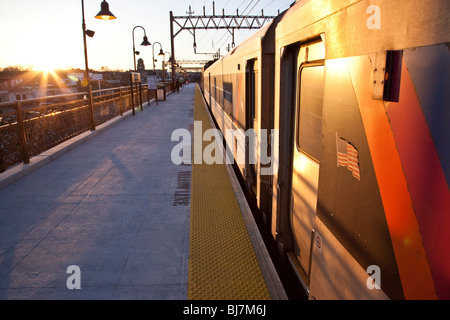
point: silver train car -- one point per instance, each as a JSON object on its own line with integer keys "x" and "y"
{"x": 349, "y": 105}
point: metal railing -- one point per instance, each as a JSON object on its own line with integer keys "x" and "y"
{"x": 30, "y": 127}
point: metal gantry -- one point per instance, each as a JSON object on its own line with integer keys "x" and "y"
{"x": 224, "y": 21}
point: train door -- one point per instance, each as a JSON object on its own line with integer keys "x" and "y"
{"x": 306, "y": 151}
{"x": 251, "y": 96}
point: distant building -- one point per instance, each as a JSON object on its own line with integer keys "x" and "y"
{"x": 74, "y": 77}
{"x": 13, "y": 88}
{"x": 140, "y": 65}
{"x": 141, "y": 69}
{"x": 22, "y": 85}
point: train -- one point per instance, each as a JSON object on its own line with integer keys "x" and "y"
{"x": 349, "y": 103}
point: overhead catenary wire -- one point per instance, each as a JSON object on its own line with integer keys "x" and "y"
{"x": 215, "y": 40}
{"x": 244, "y": 14}
{"x": 223, "y": 33}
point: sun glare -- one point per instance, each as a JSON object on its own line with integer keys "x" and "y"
{"x": 48, "y": 77}
{"x": 44, "y": 63}
{"x": 47, "y": 68}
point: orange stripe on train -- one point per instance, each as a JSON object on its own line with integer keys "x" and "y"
{"x": 406, "y": 239}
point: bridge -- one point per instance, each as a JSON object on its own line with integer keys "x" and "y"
{"x": 192, "y": 65}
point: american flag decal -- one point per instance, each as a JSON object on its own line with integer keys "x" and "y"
{"x": 347, "y": 156}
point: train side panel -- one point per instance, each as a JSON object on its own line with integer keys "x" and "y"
{"x": 244, "y": 110}
{"x": 376, "y": 210}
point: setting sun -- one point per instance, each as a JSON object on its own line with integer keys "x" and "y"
{"x": 44, "y": 64}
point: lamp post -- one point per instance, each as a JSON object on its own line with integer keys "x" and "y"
{"x": 161, "y": 53}
{"x": 154, "y": 72}
{"x": 153, "y": 53}
{"x": 164, "y": 65}
{"x": 104, "y": 14}
{"x": 144, "y": 43}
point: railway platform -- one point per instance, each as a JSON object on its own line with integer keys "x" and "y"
{"x": 109, "y": 215}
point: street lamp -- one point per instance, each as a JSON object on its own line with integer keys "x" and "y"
{"x": 144, "y": 43}
{"x": 164, "y": 69}
{"x": 104, "y": 14}
{"x": 153, "y": 52}
{"x": 164, "y": 65}
{"x": 161, "y": 53}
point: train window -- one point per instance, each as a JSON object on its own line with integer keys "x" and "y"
{"x": 309, "y": 124}
{"x": 228, "y": 96}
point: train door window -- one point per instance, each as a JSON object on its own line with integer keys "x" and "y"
{"x": 309, "y": 122}
{"x": 228, "y": 96}
{"x": 208, "y": 83}
{"x": 209, "y": 89}
{"x": 306, "y": 149}
{"x": 215, "y": 88}
{"x": 251, "y": 96}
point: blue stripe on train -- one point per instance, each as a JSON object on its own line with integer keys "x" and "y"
{"x": 429, "y": 68}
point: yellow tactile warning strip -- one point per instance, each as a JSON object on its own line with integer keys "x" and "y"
{"x": 222, "y": 261}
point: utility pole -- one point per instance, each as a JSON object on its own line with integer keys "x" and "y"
{"x": 172, "y": 45}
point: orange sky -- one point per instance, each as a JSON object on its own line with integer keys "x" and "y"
{"x": 46, "y": 34}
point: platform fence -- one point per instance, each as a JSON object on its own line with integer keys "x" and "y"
{"x": 32, "y": 126}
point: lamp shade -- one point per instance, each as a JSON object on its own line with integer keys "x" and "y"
{"x": 161, "y": 53}
{"x": 104, "y": 13}
{"x": 145, "y": 42}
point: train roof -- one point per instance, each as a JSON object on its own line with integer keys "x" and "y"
{"x": 344, "y": 26}
{"x": 249, "y": 43}
{"x": 348, "y": 29}
{"x": 252, "y": 43}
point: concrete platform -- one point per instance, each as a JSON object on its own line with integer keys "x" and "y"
{"x": 105, "y": 206}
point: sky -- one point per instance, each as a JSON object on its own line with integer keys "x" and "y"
{"x": 47, "y": 34}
